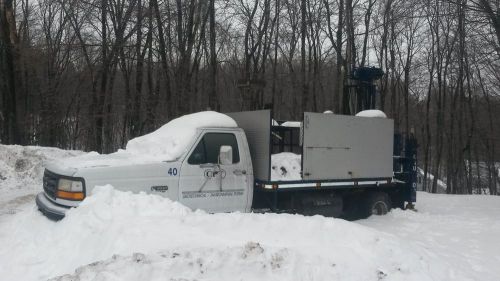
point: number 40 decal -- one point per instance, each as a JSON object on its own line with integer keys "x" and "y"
{"x": 172, "y": 171}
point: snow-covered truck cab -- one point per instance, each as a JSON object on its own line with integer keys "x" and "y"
{"x": 206, "y": 167}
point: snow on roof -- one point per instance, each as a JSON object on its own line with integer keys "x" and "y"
{"x": 170, "y": 141}
{"x": 167, "y": 143}
{"x": 371, "y": 113}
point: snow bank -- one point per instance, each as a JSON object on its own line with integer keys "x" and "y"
{"x": 371, "y": 113}
{"x": 177, "y": 244}
{"x": 21, "y": 169}
{"x": 167, "y": 143}
{"x": 285, "y": 166}
{"x": 430, "y": 177}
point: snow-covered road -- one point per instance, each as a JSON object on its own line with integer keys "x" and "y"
{"x": 121, "y": 236}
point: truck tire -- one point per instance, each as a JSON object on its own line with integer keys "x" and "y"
{"x": 353, "y": 207}
{"x": 377, "y": 203}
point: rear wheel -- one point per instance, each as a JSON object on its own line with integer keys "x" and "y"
{"x": 377, "y": 203}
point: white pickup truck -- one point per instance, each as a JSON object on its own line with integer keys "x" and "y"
{"x": 226, "y": 162}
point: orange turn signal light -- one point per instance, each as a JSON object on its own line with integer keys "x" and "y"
{"x": 70, "y": 195}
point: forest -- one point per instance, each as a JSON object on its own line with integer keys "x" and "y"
{"x": 92, "y": 74}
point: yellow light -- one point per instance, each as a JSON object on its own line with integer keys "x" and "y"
{"x": 70, "y": 195}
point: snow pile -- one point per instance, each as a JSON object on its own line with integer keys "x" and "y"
{"x": 171, "y": 242}
{"x": 285, "y": 166}
{"x": 167, "y": 143}
{"x": 21, "y": 169}
{"x": 430, "y": 178}
{"x": 371, "y": 113}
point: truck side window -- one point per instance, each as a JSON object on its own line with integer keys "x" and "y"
{"x": 207, "y": 150}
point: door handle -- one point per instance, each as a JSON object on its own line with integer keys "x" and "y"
{"x": 239, "y": 172}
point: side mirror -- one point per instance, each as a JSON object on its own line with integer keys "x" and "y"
{"x": 226, "y": 155}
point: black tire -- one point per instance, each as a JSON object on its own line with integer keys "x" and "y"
{"x": 352, "y": 207}
{"x": 377, "y": 203}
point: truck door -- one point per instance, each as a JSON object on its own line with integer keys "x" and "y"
{"x": 206, "y": 185}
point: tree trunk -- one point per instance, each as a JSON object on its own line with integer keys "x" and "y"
{"x": 8, "y": 60}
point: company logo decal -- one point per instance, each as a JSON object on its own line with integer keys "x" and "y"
{"x": 215, "y": 173}
{"x": 212, "y": 193}
{"x": 159, "y": 188}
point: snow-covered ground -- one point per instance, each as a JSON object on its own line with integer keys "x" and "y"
{"x": 116, "y": 235}
{"x": 461, "y": 229}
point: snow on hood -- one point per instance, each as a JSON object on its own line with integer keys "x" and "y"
{"x": 371, "y": 113}
{"x": 179, "y": 244}
{"x": 167, "y": 143}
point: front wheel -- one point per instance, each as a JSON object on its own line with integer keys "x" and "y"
{"x": 377, "y": 203}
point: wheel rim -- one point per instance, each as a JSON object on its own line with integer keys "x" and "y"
{"x": 379, "y": 208}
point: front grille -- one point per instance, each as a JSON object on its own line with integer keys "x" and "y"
{"x": 50, "y": 183}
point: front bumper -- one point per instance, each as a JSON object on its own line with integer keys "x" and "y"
{"x": 50, "y": 209}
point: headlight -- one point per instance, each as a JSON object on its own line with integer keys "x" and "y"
{"x": 70, "y": 189}
{"x": 69, "y": 185}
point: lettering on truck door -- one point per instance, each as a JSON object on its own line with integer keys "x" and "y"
{"x": 205, "y": 184}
